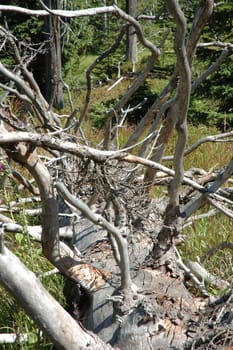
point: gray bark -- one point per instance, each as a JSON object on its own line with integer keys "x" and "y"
{"x": 54, "y": 86}
{"x": 49, "y": 315}
{"x": 131, "y": 45}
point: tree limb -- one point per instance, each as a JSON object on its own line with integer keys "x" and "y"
{"x": 200, "y": 200}
{"x": 56, "y": 323}
{"x": 210, "y": 138}
{"x": 181, "y": 104}
{"x": 126, "y": 282}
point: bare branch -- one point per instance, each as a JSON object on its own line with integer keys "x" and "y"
{"x": 220, "y": 207}
{"x": 203, "y": 275}
{"x": 60, "y": 13}
{"x": 217, "y": 44}
{"x": 155, "y": 51}
{"x": 66, "y": 260}
{"x": 210, "y": 138}
{"x": 191, "y": 221}
{"x": 200, "y": 200}
{"x": 213, "y": 250}
{"x": 149, "y": 163}
{"x": 188, "y": 271}
{"x": 2, "y": 246}
{"x": 126, "y": 282}
{"x": 22, "y": 66}
{"x": 181, "y": 103}
{"x": 90, "y": 69}
{"x": 58, "y": 144}
{"x": 201, "y": 17}
{"x": 7, "y": 338}
{"x": 226, "y": 52}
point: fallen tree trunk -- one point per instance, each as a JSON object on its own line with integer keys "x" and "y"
{"x": 56, "y": 323}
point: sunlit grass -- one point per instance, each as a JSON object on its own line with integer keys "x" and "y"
{"x": 205, "y": 234}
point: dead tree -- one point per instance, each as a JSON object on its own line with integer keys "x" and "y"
{"x": 124, "y": 270}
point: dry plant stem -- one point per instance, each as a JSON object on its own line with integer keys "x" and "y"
{"x": 124, "y": 266}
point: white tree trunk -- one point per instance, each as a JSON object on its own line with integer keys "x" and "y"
{"x": 56, "y": 323}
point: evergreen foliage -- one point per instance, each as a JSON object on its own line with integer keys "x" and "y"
{"x": 83, "y": 39}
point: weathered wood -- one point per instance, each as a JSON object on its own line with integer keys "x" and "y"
{"x": 50, "y": 316}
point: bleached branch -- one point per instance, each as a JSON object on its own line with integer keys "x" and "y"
{"x": 187, "y": 270}
{"x": 60, "y": 13}
{"x": 210, "y": 138}
{"x": 199, "y": 200}
{"x": 126, "y": 282}
{"x": 9, "y": 338}
{"x": 49, "y": 314}
{"x": 217, "y": 43}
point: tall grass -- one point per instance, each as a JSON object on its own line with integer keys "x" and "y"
{"x": 209, "y": 232}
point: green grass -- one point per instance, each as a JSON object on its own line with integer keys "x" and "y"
{"x": 13, "y": 319}
{"x": 205, "y": 234}
{"x": 209, "y": 232}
